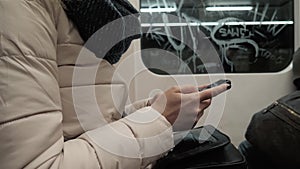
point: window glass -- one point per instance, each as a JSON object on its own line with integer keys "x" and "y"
{"x": 248, "y": 36}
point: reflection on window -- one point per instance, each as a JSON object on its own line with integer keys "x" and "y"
{"x": 247, "y": 35}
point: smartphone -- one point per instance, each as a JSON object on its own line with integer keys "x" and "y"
{"x": 217, "y": 83}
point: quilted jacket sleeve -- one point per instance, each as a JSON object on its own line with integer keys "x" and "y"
{"x": 39, "y": 48}
{"x": 131, "y": 108}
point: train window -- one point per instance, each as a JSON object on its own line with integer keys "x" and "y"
{"x": 247, "y": 36}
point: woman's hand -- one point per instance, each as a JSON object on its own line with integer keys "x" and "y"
{"x": 184, "y": 106}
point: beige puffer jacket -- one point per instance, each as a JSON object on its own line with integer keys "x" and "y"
{"x": 41, "y": 99}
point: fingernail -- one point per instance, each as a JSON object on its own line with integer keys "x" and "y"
{"x": 228, "y": 81}
{"x": 229, "y": 86}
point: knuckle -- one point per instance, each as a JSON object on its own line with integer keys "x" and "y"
{"x": 196, "y": 97}
{"x": 177, "y": 97}
{"x": 174, "y": 88}
{"x": 197, "y": 110}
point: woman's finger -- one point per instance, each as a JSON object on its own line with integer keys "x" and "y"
{"x": 201, "y": 87}
{"x": 188, "y": 89}
{"x": 212, "y": 92}
{"x": 205, "y": 104}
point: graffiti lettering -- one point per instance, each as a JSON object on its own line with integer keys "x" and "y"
{"x": 235, "y": 32}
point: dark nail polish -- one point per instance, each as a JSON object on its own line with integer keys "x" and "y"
{"x": 229, "y": 86}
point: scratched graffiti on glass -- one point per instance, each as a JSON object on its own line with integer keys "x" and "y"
{"x": 250, "y": 36}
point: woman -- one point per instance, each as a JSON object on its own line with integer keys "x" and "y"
{"x": 40, "y": 117}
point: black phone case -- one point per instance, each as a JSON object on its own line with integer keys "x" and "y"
{"x": 217, "y": 83}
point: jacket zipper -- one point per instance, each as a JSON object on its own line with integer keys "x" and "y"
{"x": 288, "y": 109}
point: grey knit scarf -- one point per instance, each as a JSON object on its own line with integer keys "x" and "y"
{"x": 91, "y": 15}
